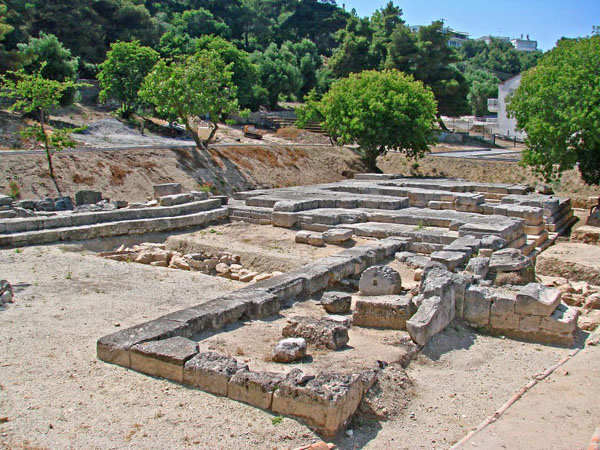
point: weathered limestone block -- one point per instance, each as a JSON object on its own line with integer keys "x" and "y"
{"x": 177, "y": 199}
{"x": 86, "y": 197}
{"x": 478, "y": 266}
{"x": 386, "y": 311}
{"x": 380, "y": 280}
{"x": 315, "y": 239}
{"x": 413, "y": 260}
{"x": 503, "y": 303}
{"x": 433, "y": 315}
{"x": 508, "y": 260}
{"x": 179, "y": 262}
{"x": 537, "y": 299}
{"x": 114, "y": 348}
{"x": 336, "y": 302}
{"x": 478, "y": 301}
{"x": 163, "y": 358}
{"x": 318, "y": 332}
{"x": 284, "y": 219}
{"x": 563, "y": 321}
{"x": 5, "y": 200}
{"x": 289, "y": 350}
{"x": 326, "y": 401}
{"x": 589, "y": 321}
{"x": 529, "y": 325}
{"x": 337, "y": 235}
{"x": 286, "y": 285}
{"x": 492, "y": 241}
{"x": 160, "y": 190}
{"x": 254, "y": 388}
{"x": 302, "y": 237}
{"x": 211, "y": 372}
{"x": 450, "y": 259}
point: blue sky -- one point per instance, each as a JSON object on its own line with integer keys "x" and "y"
{"x": 544, "y": 20}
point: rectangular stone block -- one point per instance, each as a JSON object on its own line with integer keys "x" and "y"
{"x": 254, "y": 388}
{"x": 284, "y": 219}
{"x": 384, "y": 311}
{"x": 477, "y": 306}
{"x": 433, "y": 315}
{"x": 529, "y": 324}
{"x": 211, "y": 372}
{"x": 537, "y": 299}
{"x": 504, "y": 322}
{"x": 164, "y": 358}
{"x": 562, "y": 321}
{"x": 160, "y": 190}
{"x": 450, "y": 259}
{"x": 284, "y": 286}
{"x": 114, "y": 348}
{"x": 326, "y": 402}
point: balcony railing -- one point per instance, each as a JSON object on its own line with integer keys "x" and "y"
{"x": 493, "y": 105}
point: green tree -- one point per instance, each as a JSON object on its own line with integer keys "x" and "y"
{"x": 200, "y": 85}
{"x": 8, "y": 59}
{"x": 379, "y": 111}
{"x": 122, "y": 74}
{"x": 38, "y": 95}
{"x": 355, "y": 52}
{"x": 59, "y": 64}
{"x": 278, "y": 72}
{"x": 245, "y": 73}
{"x": 558, "y": 105}
{"x": 434, "y": 67}
{"x": 482, "y": 86}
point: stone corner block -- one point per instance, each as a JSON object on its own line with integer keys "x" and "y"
{"x": 537, "y": 299}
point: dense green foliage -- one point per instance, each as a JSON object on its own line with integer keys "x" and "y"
{"x": 558, "y": 105}
{"x": 280, "y": 49}
{"x": 379, "y": 111}
{"x": 121, "y": 75}
{"x": 196, "y": 86}
{"x": 38, "y": 95}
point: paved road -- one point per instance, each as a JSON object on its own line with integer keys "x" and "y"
{"x": 496, "y": 154}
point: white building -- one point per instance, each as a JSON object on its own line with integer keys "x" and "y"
{"x": 524, "y": 45}
{"x": 488, "y": 39}
{"x": 507, "y": 126}
{"x": 455, "y": 40}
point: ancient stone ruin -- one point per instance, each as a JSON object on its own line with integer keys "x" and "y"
{"x": 470, "y": 246}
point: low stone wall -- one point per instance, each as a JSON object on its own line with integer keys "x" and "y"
{"x": 162, "y": 347}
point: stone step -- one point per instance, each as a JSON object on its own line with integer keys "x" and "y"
{"x": 125, "y": 227}
{"x": 431, "y": 235}
{"x": 68, "y": 220}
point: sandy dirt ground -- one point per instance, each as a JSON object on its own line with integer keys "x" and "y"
{"x": 56, "y": 394}
{"x": 560, "y": 413}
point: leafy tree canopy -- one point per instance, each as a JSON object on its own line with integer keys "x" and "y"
{"x": 48, "y": 51}
{"x": 123, "y": 72}
{"x": 558, "y": 105}
{"x": 35, "y": 94}
{"x": 198, "y": 86}
{"x": 379, "y": 111}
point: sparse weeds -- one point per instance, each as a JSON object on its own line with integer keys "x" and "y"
{"x": 14, "y": 191}
{"x": 277, "y": 420}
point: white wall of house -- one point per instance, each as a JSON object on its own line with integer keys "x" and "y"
{"x": 507, "y": 125}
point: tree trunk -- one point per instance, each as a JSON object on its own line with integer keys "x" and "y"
{"x": 370, "y": 160}
{"x": 197, "y": 140}
{"x": 48, "y": 153}
{"x": 211, "y": 135}
{"x": 442, "y": 124}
